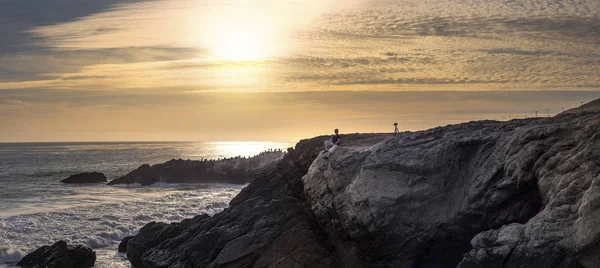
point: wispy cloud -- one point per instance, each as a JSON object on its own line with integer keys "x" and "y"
{"x": 18, "y": 17}
{"x": 39, "y": 65}
{"x": 308, "y": 45}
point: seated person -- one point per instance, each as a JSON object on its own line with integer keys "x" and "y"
{"x": 334, "y": 142}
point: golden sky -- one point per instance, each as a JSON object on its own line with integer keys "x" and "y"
{"x": 212, "y": 70}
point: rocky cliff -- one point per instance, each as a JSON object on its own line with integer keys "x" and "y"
{"x": 230, "y": 170}
{"x": 523, "y": 193}
{"x": 592, "y": 106}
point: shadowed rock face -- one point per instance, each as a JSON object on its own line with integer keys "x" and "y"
{"x": 88, "y": 177}
{"x": 267, "y": 224}
{"x": 59, "y": 255}
{"x": 416, "y": 200}
{"x": 234, "y": 170}
{"x": 522, "y": 193}
{"x": 123, "y": 245}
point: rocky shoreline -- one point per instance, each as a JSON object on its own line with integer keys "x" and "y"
{"x": 480, "y": 194}
{"x": 522, "y": 193}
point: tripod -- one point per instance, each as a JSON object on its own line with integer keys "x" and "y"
{"x": 396, "y": 131}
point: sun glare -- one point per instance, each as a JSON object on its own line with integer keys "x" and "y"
{"x": 239, "y": 45}
{"x": 241, "y": 34}
{"x": 251, "y": 148}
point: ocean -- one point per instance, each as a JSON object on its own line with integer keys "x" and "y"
{"x": 36, "y": 209}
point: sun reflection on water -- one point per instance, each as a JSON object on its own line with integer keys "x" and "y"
{"x": 244, "y": 149}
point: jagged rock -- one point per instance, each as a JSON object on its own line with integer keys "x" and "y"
{"x": 417, "y": 199}
{"x": 233, "y": 170}
{"x": 59, "y": 255}
{"x": 565, "y": 233}
{"x": 523, "y": 193}
{"x": 87, "y": 177}
{"x": 154, "y": 233}
{"x": 123, "y": 244}
{"x": 267, "y": 225}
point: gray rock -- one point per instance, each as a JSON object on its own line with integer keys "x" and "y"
{"x": 523, "y": 193}
{"x": 86, "y": 177}
{"x": 59, "y": 255}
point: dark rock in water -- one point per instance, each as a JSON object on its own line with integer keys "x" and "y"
{"x": 233, "y": 170}
{"x": 59, "y": 255}
{"x": 523, "y": 193}
{"x": 87, "y": 177}
{"x": 123, "y": 244}
{"x": 141, "y": 175}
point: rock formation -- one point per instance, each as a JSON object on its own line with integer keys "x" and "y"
{"x": 232, "y": 170}
{"x": 87, "y": 177}
{"x": 268, "y": 223}
{"x": 59, "y": 255}
{"x": 523, "y": 193}
{"x": 592, "y": 106}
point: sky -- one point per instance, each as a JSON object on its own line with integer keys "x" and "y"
{"x": 263, "y": 70}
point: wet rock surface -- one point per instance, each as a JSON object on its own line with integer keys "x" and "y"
{"x": 523, "y": 193}
{"x": 59, "y": 255}
{"x": 87, "y": 177}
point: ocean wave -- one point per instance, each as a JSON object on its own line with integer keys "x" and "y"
{"x": 10, "y": 256}
{"x": 101, "y": 227}
{"x": 49, "y": 174}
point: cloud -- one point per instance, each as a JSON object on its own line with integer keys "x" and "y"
{"x": 103, "y": 98}
{"x": 308, "y": 45}
{"x": 385, "y": 24}
{"x": 17, "y": 17}
{"x": 40, "y": 65}
{"x": 474, "y": 45}
{"x": 513, "y": 51}
{"x": 123, "y": 68}
{"x": 184, "y": 23}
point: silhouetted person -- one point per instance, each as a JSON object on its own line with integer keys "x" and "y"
{"x": 334, "y": 142}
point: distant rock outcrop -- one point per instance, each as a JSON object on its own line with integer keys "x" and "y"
{"x": 87, "y": 177}
{"x": 232, "y": 170}
{"x": 59, "y": 255}
{"x": 523, "y": 193}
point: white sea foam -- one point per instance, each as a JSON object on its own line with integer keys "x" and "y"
{"x": 101, "y": 227}
{"x": 36, "y": 209}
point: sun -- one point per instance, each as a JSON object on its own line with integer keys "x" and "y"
{"x": 242, "y": 32}
{"x": 241, "y": 45}
{"x": 242, "y": 39}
